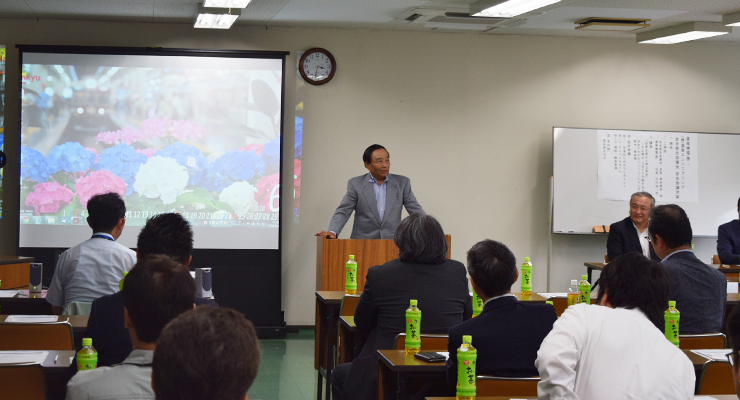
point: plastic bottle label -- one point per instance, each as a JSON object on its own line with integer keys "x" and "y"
{"x": 351, "y": 283}
{"x": 87, "y": 361}
{"x": 671, "y": 327}
{"x": 526, "y": 278}
{"x": 573, "y": 299}
{"x": 466, "y": 361}
{"x": 413, "y": 320}
{"x": 585, "y": 293}
{"x": 477, "y": 304}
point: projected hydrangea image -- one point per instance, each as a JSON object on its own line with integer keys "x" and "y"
{"x": 156, "y": 137}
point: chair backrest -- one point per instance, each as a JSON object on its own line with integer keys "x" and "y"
{"x": 507, "y": 387}
{"x": 22, "y": 381}
{"x": 715, "y": 259}
{"x": 428, "y": 342}
{"x": 47, "y": 336}
{"x": 606, "y": 258}
{"x": 349, "y": 304}
{"x": 560, "y": 304}
{"x": 77, "y": 308}
{"x": 716, "y": 378}
{"x": 703, "y": 341}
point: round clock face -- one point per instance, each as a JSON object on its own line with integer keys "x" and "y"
{"x": 317, "y": 66}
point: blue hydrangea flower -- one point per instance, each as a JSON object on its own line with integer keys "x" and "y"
{"x": 231, "y": 167}
{"x": 2, "y": 141}
{"x": 271, "y": 153}
{"x": 33, "y": 165}
{"x": 123, "y": 161}
{"x": 298, "y": 136}
{"x": 189, "y": 157}
{"x": 70, "y": 157}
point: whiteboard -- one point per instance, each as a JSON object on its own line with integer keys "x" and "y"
{"x": 576, "y": 208}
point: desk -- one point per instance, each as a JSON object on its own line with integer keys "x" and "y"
{"x": 400, "y": 375}
{"x": 78, "y": 322}
{"x": 715, "y": 396}
{"x": 14, "y": 271}
{"x": 327, "y": 315}
{"x": 58, "y": 374}
{"x": 23, "y": 303}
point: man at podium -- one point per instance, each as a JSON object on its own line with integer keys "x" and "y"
{"x": 376, "y": 198}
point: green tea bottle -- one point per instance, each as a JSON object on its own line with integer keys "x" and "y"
{"x": 413, "y": 324}
{"x": 526, "y": 277}
{"x": 120, "y": 283}
{"x": 477, "y": 304}
{"x": 672, "y": 316}
{"x": 585, "y": 287}
{"x": 466, "y": 357}
{"x": 350, "y": 286}
{"x": 87, "y": 357}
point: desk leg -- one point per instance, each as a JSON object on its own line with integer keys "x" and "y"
{"x": 320, "y": 336}
{"x": 328, "y": 357}
{"x": 401, "y": 394}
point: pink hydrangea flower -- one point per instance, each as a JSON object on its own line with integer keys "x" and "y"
{"x": 130, "y": 135}
{"x": 147, "y": 152}
{"x": 297, "y": 178}
{"x": 99, "y": 182}
{"x": 264, "y": 190}
{"x": 155, "y": 127}
{"x": 184, "y": 130}
{"x": 48, "y": 197}
{"x": 257, "y": 148}
{"x": 107, "y": 137}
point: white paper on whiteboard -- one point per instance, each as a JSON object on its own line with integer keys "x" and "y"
{"x": 665, "y": 164}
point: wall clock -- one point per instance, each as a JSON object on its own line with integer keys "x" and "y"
{"x": 317, "y": 66}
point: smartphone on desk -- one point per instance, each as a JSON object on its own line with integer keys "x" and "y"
{"x": 430, "y": 357}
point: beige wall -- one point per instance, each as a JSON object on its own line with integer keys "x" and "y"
{"x": 467, "y": 117}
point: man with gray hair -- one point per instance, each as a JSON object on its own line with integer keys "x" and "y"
{"x": 631, "y": 234}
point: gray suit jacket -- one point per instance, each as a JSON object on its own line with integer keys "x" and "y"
{"x": 360, "y": 198}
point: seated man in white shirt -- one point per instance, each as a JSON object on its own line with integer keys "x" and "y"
{"x": 613, "y": 350}
{"x": 94, "y": 267}
{"x": 157, "y": 290}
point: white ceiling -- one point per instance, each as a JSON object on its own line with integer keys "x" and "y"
{"x": 555, "y": 20}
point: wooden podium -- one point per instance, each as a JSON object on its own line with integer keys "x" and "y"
{"x": 332, "y": 255}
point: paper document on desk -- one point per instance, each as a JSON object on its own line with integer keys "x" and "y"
{"x": 19, "y": 357}
{"x": 8, "y": 293}
{"x": 731, "y": 287}
{"x": 32, "y": 319}
{"x": 713, "y": 354}
{"x": 549, "y": 295}
{"x": 702, "y": 398}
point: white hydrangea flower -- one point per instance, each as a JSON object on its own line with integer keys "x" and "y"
{"x": 161, "y": 177}
{"x": 239, "y": 195}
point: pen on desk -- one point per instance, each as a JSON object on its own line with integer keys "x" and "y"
{"x": 56, "y": 358}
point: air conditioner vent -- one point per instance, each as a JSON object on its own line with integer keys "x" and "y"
{"x": 612, "y": 24}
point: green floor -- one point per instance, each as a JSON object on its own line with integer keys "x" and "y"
{"x": 286, "y": 369}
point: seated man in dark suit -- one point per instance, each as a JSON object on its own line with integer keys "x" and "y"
{"x": 733, "y": 334}
{"x": 168, "y": 234}
{"x": 507, "y": 333}
{"x": 699, "y": 290}
{"x": 421, "y": 272}
{"x": 631, "y": 234}
{"x": 728, "y": 241}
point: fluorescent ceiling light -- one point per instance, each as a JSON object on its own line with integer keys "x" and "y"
{"x": 732, "y": 19}
{"x": 507, "y": 9}
{"x": 226, "y": 3}
{"x": 216, "y": 18}
{"x": 683, "y": 33}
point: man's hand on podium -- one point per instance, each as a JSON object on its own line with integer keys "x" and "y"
{"x": 328, "y": 235}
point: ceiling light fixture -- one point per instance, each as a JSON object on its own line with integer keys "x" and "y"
{"x": 216, "y": 18}
{"x": 732, "y": 19}
{"x": 683, "y": 33}
{"x": 506, "y": 9}
{"x": 226, "y": 3}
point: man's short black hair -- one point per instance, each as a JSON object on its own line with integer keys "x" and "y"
{"x": 733, "y": 331}
{"x": 367, "y": 156}
{"x": 168, "y": 234}
{"x": 671, "y": 223}
{"x": 634, "y": 281}
{"x": 492, "y": 266}
{"x": 206, "y": 353}
{"x": 155, "y": 291}
{"x": 421, "y": 240}
{"x": 738, "y": 204}
{"x": 105, "y": 210}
